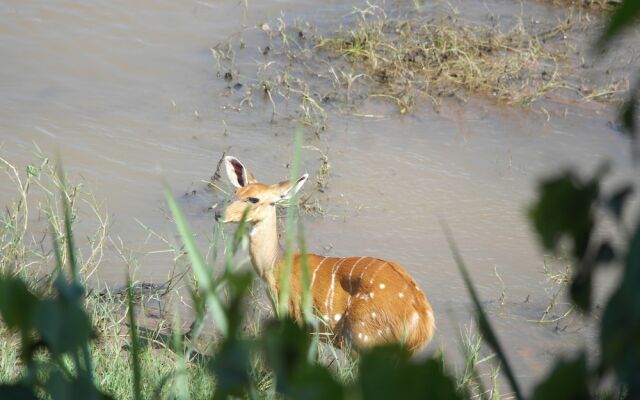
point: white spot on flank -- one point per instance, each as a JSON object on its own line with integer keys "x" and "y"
{"x": 325, "y": 317}
{"x": 371, "y": 295}
{"x": 360, "y": 335}
{"x": 414, "y": 320}
{"x": 337, "y": 317}
{"x": 379, "y": 332}
{"x": 401, "y": 295}
{"x": 362, "y": 323}
{"x": 382, "y": 286}
{"x": 366, "y": 338}
{"x": 373, "y": 315}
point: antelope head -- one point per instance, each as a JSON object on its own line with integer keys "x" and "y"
{"x": 257, "y": 199}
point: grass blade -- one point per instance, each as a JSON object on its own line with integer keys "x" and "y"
{"x": 483, "y": 322}
{"x": 181, "y": 377}
{"x": 283, "y": 301}
{"x": 73, "y": 266}
{"x": 199, "y": 266}
{"x": 135, "y": 344}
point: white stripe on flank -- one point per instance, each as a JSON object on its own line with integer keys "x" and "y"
{"x": 351, "y": 272}
{"x": 367, "y": 266}
{"x": 328, "y": 307}
{"x": 313, "y": 278}
{"x": 378, "y": 270}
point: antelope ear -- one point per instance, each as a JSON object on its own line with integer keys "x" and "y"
{"x": 292, "y": 189}
{"x": 237, "y": 173}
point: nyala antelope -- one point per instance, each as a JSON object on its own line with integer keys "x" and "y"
{"x": 363, "y": 301}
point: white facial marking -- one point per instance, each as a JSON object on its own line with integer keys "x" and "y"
{"x": 337, "y": 317}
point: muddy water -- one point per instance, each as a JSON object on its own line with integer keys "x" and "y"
{"x": 126, "y": 93}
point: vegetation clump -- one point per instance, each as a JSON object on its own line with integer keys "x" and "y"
{"x": 596, "y": 5}
{"x": 447, "y": 57}
{"x": 407, "y": 58}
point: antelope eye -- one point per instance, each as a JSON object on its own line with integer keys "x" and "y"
{"x": 253, "y": 200}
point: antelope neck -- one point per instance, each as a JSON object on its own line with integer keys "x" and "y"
{"x": 264, "y": 248}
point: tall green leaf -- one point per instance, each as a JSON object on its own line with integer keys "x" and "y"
{"x": 199, "y": 266}
{"x": 483, "y": 322}
{"x": 624, "y": 15}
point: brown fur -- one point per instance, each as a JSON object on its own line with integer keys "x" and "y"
{"x": 363, "y": 301}
{"x": 384, "y": 318}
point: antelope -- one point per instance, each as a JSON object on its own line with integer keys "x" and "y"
{"x": 363, "y": 301}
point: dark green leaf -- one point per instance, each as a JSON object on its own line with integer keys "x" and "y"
{"x": 606, "y": 254}
{"x": 71, "y": 292}
{"x": 568, "y": 380}
{"x": 60, "y": 387}
{"x": 61, "y": 325}
{"x": 286, "y": 345}
{"x": 565, "y": 208}
{"x": 387, "y": 373}
{"x": 237, "y": 285}
{"x": 620, "y": 326}
{"x": 617, "y": 201}
{"x": 623, "y": 16}
{"x": 16, "y": 392}
{"x": 627, "y": 115}
{"x": 581, "y": 285}
{"x": 313, "y": 382}
{"x": 231, "y": 367}
{"x": 16, "y": 303}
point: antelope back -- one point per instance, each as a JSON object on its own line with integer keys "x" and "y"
{"x": 367, "y": 301}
